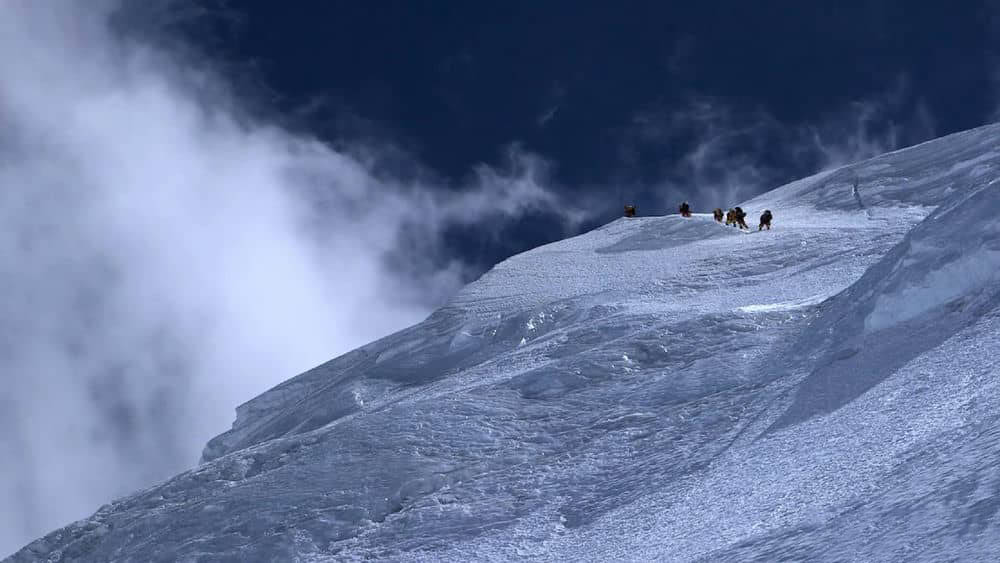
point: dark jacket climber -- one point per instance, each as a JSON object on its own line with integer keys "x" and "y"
{"x": 765, "y": 220}
{"x": 717, "y": 213}
{"x": 740, "y": 216}
{"x": 685, "y": 209}
{"x": 630, "y": 211}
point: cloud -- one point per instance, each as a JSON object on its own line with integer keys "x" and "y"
{"x": 867, "y": 128}
{"x": 166, "y": 257}
{"x": 554, "y": 98}
{"x": 547, "y": 116}
{"x": 715, "y": 154}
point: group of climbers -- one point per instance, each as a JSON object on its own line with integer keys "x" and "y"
{"x": 735, "y": 217}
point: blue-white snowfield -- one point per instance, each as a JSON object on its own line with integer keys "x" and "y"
{"x": 659, "y": 389}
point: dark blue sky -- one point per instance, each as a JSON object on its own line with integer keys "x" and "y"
{"x": 608, "y": 91}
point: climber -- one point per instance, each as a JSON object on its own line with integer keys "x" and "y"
{"x": 730, "y": 217}
{"x": 765, "y": 220}
{"x": 630, "y": 211}
{"x": 685, "y": 209}
{"x": 717, "y": 213}
{"x": 740, "y": 217}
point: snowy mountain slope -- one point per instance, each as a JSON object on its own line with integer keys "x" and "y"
{"x": 659, "y": 388}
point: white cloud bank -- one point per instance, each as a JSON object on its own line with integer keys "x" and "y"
{"x": 164, "y": 258}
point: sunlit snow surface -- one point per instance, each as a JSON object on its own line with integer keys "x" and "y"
{"x": 658, "y": 389}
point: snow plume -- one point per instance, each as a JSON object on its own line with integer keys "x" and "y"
{"x": 165, "y": 258}
{"x": 729, "y": 155}
{"x": 865, "y": 128}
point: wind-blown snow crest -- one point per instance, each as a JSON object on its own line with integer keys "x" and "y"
{"x": 933, "y": 270}
{"x": 660, "y": 388}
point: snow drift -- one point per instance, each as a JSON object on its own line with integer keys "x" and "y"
{"x": 657, "y": 389}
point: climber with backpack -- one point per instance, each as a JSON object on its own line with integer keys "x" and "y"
{"x": 765, "y": 220}
{"x": 739, "y": 217}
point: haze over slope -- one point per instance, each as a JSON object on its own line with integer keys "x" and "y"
{"x": 659, "y": 388}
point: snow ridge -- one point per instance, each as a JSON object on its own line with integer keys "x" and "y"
{"x": 660, "y": 388}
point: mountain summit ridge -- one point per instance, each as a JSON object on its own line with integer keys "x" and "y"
{"x": 658, "y": 388}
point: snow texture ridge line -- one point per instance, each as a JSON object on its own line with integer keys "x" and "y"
{"x": 660, "y": 388}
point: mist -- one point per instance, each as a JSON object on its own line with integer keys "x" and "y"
{"x": 717, "y": 154}
{"x": 165, "y": 257}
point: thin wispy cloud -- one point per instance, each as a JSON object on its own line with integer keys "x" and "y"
{"x": 715, "y": 155}
{"x": 547, "y": 116}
